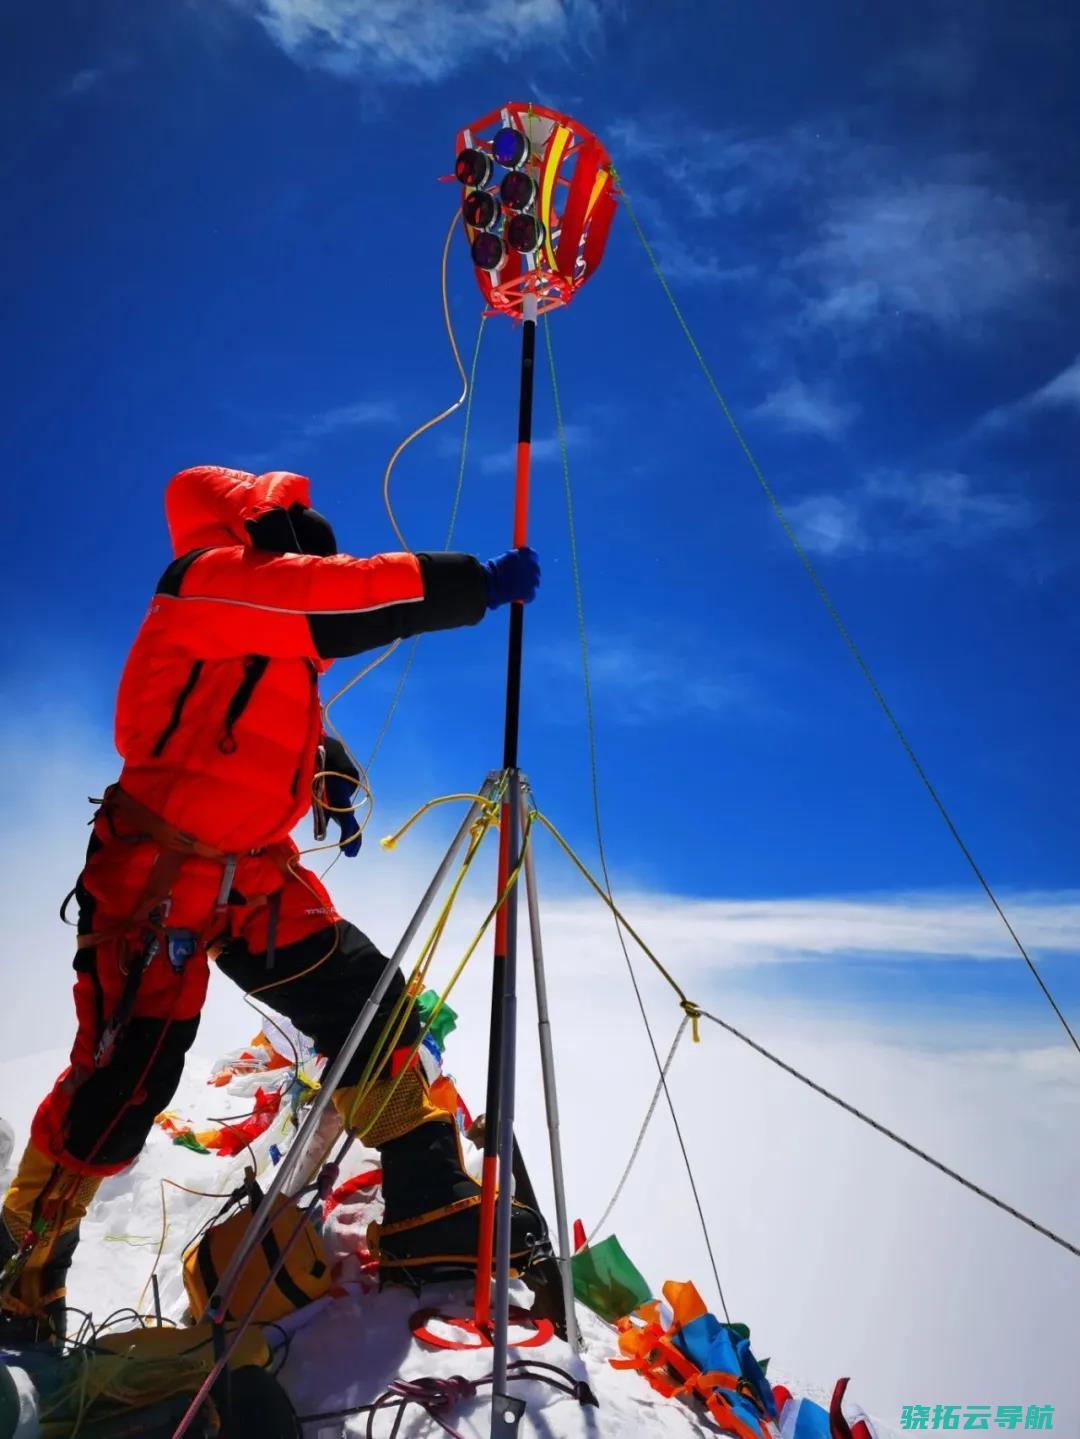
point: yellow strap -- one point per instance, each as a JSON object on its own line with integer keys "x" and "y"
{"x": 459, "y": 969}
{"x": 552, "y": 161}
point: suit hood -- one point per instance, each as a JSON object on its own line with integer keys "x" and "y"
{"x": 209, "y": 506}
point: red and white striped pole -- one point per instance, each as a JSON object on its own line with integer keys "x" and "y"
{"x": 495, "y": 1218}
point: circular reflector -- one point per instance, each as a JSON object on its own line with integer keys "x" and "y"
{"x": 524, "y": 233}
{"x": 481, "y": 209}
{"x": 473, "y": 167}
{"x": 510, "y": 147}
{"x": 488, "y": 251}
{"x": 518, "y": 190}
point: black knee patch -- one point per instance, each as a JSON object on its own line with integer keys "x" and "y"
{"x": 325, "y": 1003}
{"x": 113, "y": 1111}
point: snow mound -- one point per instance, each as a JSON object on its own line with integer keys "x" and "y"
{"x": 342, "y": 1352}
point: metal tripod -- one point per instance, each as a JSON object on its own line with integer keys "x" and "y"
{"x": 279, "y": 1184}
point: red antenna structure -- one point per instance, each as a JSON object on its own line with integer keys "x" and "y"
{"x": 538, "y": 204}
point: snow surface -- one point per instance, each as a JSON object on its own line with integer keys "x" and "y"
{"x": 344, "y": 1350}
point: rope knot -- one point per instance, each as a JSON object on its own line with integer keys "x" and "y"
{"x": 693, "y": 1014}
{"x": 435, "y": 1395}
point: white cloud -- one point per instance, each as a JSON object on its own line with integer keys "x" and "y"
{"x": 829, "y": 524}
{"x": 806, "y": 408}
{"x": 638, "y": 683}
{"x": 299, "y": 433}
{"x": 1063, "y": 391}
{"x": 949, "y": 249}
{"x": 545, "y": 450}
{"x": 1060, "y": 393}
{"x": 94, "y": 77}
{"x": 349, "y": 417}
{"x": 708, "y": 935}
{"x": 944, "y": 67}
{"x": 409, "y": 43}
{"x": 83, "y": 81}
{"x": 908, "y": 514}
{"x": 865, "y": 233}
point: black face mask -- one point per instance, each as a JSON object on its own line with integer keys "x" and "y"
{"x": 295, "y": 531}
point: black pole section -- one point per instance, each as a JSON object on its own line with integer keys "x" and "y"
{"x": 517, "y": 612}
{"x": 221, "y": 1393}
{"x": 512, "y": 725}
{"x": 506, "y": 920}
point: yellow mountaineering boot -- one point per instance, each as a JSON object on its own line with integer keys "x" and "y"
{"x": 39, "y": 1229}
{"x": 429, "y": 1230}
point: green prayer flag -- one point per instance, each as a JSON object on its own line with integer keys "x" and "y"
{"x": 445, "y": 1021}
{"x": 606, "y": 1280}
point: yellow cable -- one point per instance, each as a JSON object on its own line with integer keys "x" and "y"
{"x": 420, "y": 430}
{"x": 406, "y": 668}
{"x": 291, "y": 978}
{"x": 407, "y": 1000}
{"x": 408, "y": 997}
{"x": 391, "y": 840}
{"x": 459, "y": 969}
{"x": 443, "y": 414}
{"x": 202, "y": 1194}
{"x": 395, "y": 1023}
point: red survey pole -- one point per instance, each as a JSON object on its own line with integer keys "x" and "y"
{"x": 499, "y": 1110}
{"x": 536, "y": 234}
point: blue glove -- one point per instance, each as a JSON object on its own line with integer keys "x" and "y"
{"x": 340, "y": 788}
{"x": 339, "y": 795}
{"x": 514, "y": 575}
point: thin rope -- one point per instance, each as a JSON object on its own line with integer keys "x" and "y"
{"x": 465, "y": 394}
{"x": 695, "y": 1013}
{"x": 595, "y": 784}
{"x": 842, "y": 629}
{"x": 889, "y": 1134}
{"x": 642, "y": 1132}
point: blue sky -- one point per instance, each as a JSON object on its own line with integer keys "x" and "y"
{"x": 221, "y": 238}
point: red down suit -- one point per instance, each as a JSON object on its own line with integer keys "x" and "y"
{"x": 218, "y": 723}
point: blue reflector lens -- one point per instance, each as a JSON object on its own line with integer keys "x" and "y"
{"x": 510, "y": 148}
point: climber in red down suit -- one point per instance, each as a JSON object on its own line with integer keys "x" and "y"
{"x": 219, "y": 724}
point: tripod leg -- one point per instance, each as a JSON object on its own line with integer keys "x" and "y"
{"x": 505, "y": 1412}
{"x": 551, "y": 1097}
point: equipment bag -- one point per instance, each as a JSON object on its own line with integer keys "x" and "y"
{"x": 301, "y": 1279}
